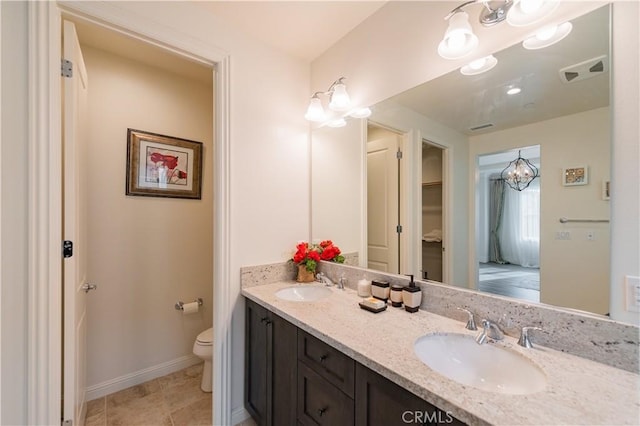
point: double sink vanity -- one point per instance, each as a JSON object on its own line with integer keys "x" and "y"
{"x": 314, "y": 357}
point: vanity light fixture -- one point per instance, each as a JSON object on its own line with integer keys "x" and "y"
{"x": 340, "y": 122}
{"x": 361, "y": 112}
{"x": 519, "y": 173}
{"x": 338, "y": 101}
{"x": 459, "y": 39}
{"x": 547, "y": 36}
{"x": 528, "y": 12}
{"x": 479, "y": 65}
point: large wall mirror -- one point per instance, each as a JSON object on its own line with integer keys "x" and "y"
{"x": 457, "y": 133}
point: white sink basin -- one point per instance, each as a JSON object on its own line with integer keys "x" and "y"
{"x": 303, "y": 293}
{"x": 487, "y": 367}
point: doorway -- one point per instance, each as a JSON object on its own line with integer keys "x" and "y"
{"x": 384, "y": 199}
{"x": 508, "y": 228}
{"x": 145, "y": 253}
{"x": 433, "y": 214}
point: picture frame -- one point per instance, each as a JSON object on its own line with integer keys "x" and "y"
{"x": 573, "y": 176}
{"x": 163, "y": 166}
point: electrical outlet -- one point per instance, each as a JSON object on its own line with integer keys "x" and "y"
{"x": 632, "y": 287}
{"x": 563, "y": 235}
{"x": 591, "y": 235}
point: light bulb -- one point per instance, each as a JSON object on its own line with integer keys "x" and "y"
{"x": 459, "y": 40}
{"x": 340, "y": 100}
{"x": 477, "y": 64}
{"x": 315, "y": 112}
{"x": 361, "y": 112}
{"x": 340, "y": 122}
{"x": 530, "y": 6}
{"x": 456, "y": 40}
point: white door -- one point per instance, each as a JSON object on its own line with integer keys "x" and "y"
{"x": 383, "y": 204}
{"x": 74, "y": 217}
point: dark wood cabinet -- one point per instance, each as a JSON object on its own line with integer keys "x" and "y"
{"x": 294, "y": 378}
{"x": 380, "y": 402}
{"x": 270, "y": 367}
{"x": 320, "y": 402}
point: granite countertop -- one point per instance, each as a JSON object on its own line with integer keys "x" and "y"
{"x": 578, "y": 391}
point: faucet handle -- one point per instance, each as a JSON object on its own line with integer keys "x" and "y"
{"x": 524, "y": 339}
{"x": 471, "y": 323}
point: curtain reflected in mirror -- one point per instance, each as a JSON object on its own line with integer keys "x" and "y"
{"x": 508, "y": 231}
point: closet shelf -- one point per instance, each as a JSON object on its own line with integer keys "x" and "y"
{"x": 436, "y": 183}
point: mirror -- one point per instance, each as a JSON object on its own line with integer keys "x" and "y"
{"x": 469, "y": 117}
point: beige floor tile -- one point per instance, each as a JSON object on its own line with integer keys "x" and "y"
{"x": 248, "y": 422}
{"x": 195, "y": 414}
{"x": 125, "y": 396}
{"x": 184, "y": 392}
{"x": 140, "y": 410}
{"x": 179, "y": 377}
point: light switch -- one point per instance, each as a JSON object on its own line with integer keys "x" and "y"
{"x": 632, "y": 287}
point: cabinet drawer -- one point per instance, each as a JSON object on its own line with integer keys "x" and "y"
{"x": 321, "y": 403}
{"x": 327, "y": 361}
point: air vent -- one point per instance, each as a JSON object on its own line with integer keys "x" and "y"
{"x": 482, "y": 126}
{"x": 583, "y": 70}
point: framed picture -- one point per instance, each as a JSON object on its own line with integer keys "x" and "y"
{"x": 575, "y": 176}
{"x": 163, "y": 166}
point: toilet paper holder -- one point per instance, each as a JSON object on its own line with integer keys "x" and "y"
{"x": 180, "y": 305}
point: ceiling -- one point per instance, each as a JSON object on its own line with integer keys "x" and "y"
{"x": 464, "y": 102}
{"x": 304, "y": 29}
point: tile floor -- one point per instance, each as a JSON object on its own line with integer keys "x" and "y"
{"x": 172, "y": 400}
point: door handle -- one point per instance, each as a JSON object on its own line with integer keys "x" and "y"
{"x": 88, "y": 287}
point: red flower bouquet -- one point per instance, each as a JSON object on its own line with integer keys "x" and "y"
{"x": 308, "y": 255}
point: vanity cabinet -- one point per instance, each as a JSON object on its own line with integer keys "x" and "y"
{"x": 294, "y": 378}
{"x": 326, "y": 379}
{"x": 380, "y": 402}
{"x": 270, "y": 367}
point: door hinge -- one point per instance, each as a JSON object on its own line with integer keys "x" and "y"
{"x": 399, "y": 155}
{"x": 67, "y": 248}
{"x": 67, "y": 422}
{"x": 66, "y": 68}
{"x": 399, "y": 229}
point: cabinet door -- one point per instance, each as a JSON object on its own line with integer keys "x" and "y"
{"x": 380, "y": 402}
{"x": 321, "y": 403}
{"x": 256, "y": 362}
{"x": 283, "y": 338}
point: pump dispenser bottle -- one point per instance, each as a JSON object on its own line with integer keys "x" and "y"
{"x": 411, "y": 296}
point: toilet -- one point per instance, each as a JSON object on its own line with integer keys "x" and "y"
{"x": 203, "y": 348}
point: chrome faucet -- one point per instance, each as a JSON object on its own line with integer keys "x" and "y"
{"x": 524, "y": 336}
{"x": 341, "y": 282}
{"x": 491, "y": 330}
{"x": 322, "y": 278}
{"x": 471, "y": 323}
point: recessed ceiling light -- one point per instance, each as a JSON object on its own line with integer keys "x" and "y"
{"x": 479, "y": 65}
{"x": 514, "y": 91}
{"x": 547, "y": 36}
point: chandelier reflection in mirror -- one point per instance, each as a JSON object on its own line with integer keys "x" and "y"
{"x": 519, "y": 173}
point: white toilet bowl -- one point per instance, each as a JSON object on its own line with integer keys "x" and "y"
{"x": 203, "y": 348}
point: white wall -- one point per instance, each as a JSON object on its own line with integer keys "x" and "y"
{"x": 13, "y": 226}
{"x": 573, "y": 273}
{"x": 145, "y": 253}
{"x": 336, "y": 175}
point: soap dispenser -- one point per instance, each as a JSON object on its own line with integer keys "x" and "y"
{"x": 411, "y": 296}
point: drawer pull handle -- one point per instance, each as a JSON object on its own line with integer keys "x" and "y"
{"x": 323, "y": 358}
{"x": 321, "y": 411}
{"x": 266, "y": 320}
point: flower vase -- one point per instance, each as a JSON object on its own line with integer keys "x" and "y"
{"x": 305, "y": 276}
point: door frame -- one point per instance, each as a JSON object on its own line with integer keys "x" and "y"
{"x": 44, "y": 282}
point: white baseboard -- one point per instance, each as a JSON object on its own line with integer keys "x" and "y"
{"x": 141, "y": 376}
{"x": 239, "y": 415}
